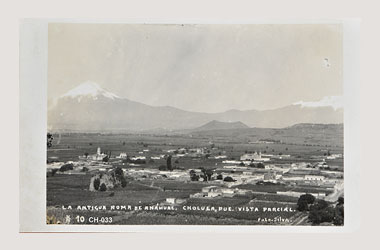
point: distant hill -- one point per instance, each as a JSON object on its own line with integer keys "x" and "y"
{"x": 316, "y": 126}
{"x": 304, "y": 133}
{"x": 217, "y": 125}
{"x": 89, "y": 108}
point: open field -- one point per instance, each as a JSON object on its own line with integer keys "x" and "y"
{"x": 65, "y": 190}
{"x": 67, "y": 147}
{"x": 274, "y": 188}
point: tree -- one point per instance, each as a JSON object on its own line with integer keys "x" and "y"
{"x": 323, "y": 215}
{"x": 321, "y": 212}
{"x": 169, "y": 163}
{"x": 194, "y": 177}
{"x": 319, "y": 205}
{"x": 86, "y": 154}
{"x": 260, "y": 165}
{"x": 123, "y": 182}
{"x": 49, "y": 140}
{"x": 340, "y": 200}
{"x": 209, "y": 173}
{"x": 119, "y": 172}
{"x": 228, "y": 179}
{"x": 54, "y": 171}
{"x": 339, "y": 212}
{"x": 66, "y": 167}
{"x": 304, "y": 201}
{"x": 103, "y": 187}
{"x": 162, "y": 168}
{"x": 96, "y": 183}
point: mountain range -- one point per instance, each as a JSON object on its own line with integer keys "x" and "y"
{"x": 89, "y": 108}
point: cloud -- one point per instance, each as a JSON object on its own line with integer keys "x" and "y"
{"x": 328, "y": 101}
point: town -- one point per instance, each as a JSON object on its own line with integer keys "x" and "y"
{"x": 191, "y": 176}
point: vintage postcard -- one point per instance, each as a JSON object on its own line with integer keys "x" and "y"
{"x": 194, "y": 124}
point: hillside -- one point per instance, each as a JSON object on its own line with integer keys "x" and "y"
{"x": 216, "y": 125}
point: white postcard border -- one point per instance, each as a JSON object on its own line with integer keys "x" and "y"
{"x": 33, "y": 125}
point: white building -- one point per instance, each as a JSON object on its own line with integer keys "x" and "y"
{"x": 122, "y": 155}
{"x": 175, "y": 201}
{"x": 138, "y": 158}
{"x": 220, "y": 157}
{"x": 314, "y": 178}
{"x": 254, "y": 157}
{"x": 96, "y": 157}
{"x": 231, "y": 162}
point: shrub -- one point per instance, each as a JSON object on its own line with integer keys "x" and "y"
{"x": 84, "y": 169}
{"x": 103, "y": 187}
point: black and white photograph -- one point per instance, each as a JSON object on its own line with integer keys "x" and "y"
{"x": 195, "y": 124}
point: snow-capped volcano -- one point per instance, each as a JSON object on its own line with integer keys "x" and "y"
{"x": 88, "y": 107}
{"x": 335, "y": 102}
{"x": 89, "y": 89}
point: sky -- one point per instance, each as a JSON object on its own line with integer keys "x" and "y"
{"x": 204, "y": 68}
